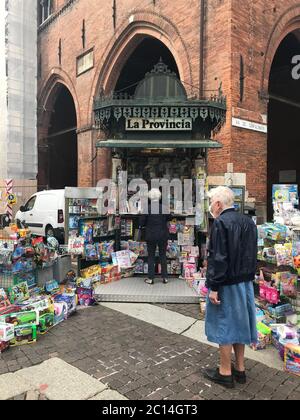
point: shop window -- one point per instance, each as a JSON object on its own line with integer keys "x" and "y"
{"x": 45, "y": 10}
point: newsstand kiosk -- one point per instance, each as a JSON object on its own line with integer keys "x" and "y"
{"x": 159, "y": 133}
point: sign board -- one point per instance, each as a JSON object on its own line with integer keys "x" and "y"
{"x": 249, "y": 125}
{"x": 159, "y": 124}
{"x": 11, "y": 199}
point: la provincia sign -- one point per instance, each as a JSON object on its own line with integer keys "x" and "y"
{"x": 159, "y": 124}
{"x": 249, "y": 125}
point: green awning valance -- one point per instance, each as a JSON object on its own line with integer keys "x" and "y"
{"x": 159, "y": 144}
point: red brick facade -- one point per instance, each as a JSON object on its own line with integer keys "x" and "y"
{"x": 232, "y": 29}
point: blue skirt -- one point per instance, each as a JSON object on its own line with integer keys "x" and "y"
{"x": 234, "y": 321}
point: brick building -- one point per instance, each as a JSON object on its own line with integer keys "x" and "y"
{"x": 246, "y": 49}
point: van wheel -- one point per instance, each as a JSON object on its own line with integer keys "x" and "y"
{"x": 49, "y": 232}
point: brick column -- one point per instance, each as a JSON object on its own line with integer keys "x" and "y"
{"x": 102, "y": 164}
{"x": 86, "y": 153}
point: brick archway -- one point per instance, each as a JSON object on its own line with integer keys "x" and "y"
{"x": 56, "y": 83}
{"x": 49, "y": 92}
{"x": 287, "y": 23}
{"x": 142, "y": 24}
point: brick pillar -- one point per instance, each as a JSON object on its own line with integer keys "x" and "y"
{"x": 86, "y": 154}
{"x": 43, "y": 159}
{"x": 102, "y": 164}
{"x": 91, "y": 168}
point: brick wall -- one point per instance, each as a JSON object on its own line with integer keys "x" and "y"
{"x": 251, "y": 29}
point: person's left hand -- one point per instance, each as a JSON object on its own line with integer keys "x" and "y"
{"x": 214, "y": 298}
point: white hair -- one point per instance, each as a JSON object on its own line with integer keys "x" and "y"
{"x": 154, "y": 194}
{"x": 223, "y": 194}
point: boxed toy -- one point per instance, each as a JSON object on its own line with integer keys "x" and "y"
{"x": 69, "y": 299}
{"x": 85, "y": 296}
{"x": 7, "y": 332}
{"x": 4, "y": 301}
{"x": 19, "y": 292}
{"x": 21, "y": 318}
{"x": 60, "y": 312}
{"x": 24, "y": 334}
{"x": 292, "y": 359}
{"x": 46, "y": 321}
{"x": 4, "y": 346}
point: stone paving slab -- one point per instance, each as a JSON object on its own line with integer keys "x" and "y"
{"x": 60, "y": 381}
{"x": 12, "y": 386}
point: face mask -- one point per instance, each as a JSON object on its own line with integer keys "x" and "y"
{"x": 210, "y": 211}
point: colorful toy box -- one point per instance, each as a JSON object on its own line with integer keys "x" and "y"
{"x": 292, "y": 359}
{"x": 24, "y": 334}
{"x": 46, "y": 322}
{"x": 7, "y": 332}
{"x": 21, "y": 318}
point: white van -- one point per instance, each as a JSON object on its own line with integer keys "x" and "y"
{"x": 44, "y": 214}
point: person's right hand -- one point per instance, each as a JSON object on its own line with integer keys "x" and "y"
{"x": 214, "y": 298}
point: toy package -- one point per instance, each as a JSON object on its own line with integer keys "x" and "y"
{"x": 60, "y": 312}
{"x": 270, "y": 294}
{"x": 139, "y": 269}
{"x": 19, "y": 292}
{"x": 286, "y": 282}
{"x": 292, "y": 359}
{"x": 4, "y": 345}
{"x": 284, "y": 254}
{"x": 105, "y": 250}
{"x": 51, "y": 287}
{"x": 173, "y": 249}
{"x": 20, "y": 318}
{"x": 76, "y": 245}
{"x": 24, "y": 334}
{"x": 85, "y": 296}
{"x": 70, "y": 299}
{"x": 4, "y": 301}
{"x": 100, "y": 228}
{"x": 7, "y": 332}
{"x": 261, "y": 343}
{"x": 94, "y": 270}
{"x": 46, "y": 322}
{"x": 91, "y": 252}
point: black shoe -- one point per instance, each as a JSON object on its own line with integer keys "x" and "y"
{"x": 165, "y": 281}
{"x": 215, "y": 376}
{"x": 240, "y": 377}
{"x": 149, "y": 281}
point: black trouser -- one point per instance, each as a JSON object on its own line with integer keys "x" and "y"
{"x": 162, "y": 245}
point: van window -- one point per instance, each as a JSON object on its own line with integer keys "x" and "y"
{"x": 47, "y": 202}
{"x": 30, "y": 204}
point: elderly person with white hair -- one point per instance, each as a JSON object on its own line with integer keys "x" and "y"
{"x": 157, "y": 233}
{"x": 231, "y": 268}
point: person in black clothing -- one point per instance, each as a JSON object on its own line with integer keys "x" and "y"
{"x": 157, "y": 234}
{"x": 231, "y": 267}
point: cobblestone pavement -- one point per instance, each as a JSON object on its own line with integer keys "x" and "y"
{"x": 144, "y": 362}
{"x": 192, "y": 310}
